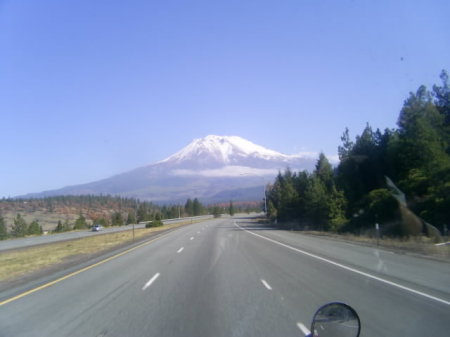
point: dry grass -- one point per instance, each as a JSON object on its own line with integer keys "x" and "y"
{"x": 418, "y": 245}
{"x": 16, "y": 263}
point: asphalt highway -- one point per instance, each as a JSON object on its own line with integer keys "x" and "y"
{"x": 228, "y": 277}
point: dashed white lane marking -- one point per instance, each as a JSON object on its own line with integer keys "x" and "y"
{"x": 180, "y": 250}
{"x": 198, "y": 232}
{"x": 192, "y": 238}
{"x": 303, "y": 329}
{"x": 149, "y": 283}
{"x": 82, "y": 270}
{"x": 267, "y": 285}
{"x": 356, "y": 271}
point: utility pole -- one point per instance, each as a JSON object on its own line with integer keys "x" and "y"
{"x": 135, "y": 215}
{"x": 265, "y": 201}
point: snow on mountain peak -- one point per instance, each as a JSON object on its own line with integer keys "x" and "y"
{"x": 223, "y": 150}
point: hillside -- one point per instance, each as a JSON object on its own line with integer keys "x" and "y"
{"x": 48, "y": 211}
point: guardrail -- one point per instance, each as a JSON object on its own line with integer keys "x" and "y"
{"x": 168, "y": 221}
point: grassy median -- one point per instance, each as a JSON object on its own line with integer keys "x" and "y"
{"x": 16, "y": 263}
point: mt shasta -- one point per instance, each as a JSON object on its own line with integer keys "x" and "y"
{"x": 213, "y": 168}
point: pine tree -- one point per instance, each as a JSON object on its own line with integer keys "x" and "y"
{"x": 66, "y": 226}
{"x": 324, "y": 171}
{"x": 189, "y": 207}
{"x": 131, "y": 218}
{"x": 19, "y": 229}
{"x": 231, "y": 208}
{"x": 216, "y": 211}
{"x": 143, "y": 213}
{"x": 3, "y": 229}
{"x": 345, "y": 150}
{"x": 34, "y": 228}
{"x": 442, "y": 97}
{"x": 116, "y": 219}
{"x": 59, "y": 227}
{"x": 287, "y": 204}
{"x": 421, "y": 141}
{"x": 317, "y": 204}
{"x": 196, "y": 207}
{"x": 272, "y": 212}
{"x": 80, "y": 223}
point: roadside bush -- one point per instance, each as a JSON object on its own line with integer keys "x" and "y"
{"x": 217, "y": 212}
{"x": 154, "y": 223}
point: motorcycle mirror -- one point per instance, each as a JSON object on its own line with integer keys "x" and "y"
{"x": 335, "y": 320}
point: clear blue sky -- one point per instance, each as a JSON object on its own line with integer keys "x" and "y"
{"x": 89, "y": 89}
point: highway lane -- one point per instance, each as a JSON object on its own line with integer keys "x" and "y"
{"x": 385, "y": 310}
{"x": 216, "y": 279}
{"x": 51, "y": 238}
{"x": 428, "y": 275}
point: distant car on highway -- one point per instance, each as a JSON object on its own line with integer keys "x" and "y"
{"x": 97, "y": 228}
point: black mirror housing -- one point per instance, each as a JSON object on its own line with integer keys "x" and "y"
{"x": 335, "y": 320}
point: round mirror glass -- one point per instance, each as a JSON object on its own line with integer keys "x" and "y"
{"x": 335, "y": 320}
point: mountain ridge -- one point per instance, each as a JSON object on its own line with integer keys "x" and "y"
{"x": 206, "y": 168}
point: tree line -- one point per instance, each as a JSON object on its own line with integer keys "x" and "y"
{"x": 105, "y": 211}
{"x": 102, "y": 210}
{"x": 355, "y": 195}
{"x": 19, "y": 228}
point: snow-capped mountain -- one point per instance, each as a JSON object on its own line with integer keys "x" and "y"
{"x": 223, "y": 150}
{"x": 231, "y": 156}
{"x": 207, "y": 168}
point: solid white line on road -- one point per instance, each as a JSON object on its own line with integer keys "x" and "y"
{"x": 180, "y": 250}
{"x": 443, "y": 243}
{"x": 192, "y": 238}
{"x": 267, "y": 285}
{"x": 149, "y": 283}
{"x": 303, "y": 329}
{"x": 373, "y": 277}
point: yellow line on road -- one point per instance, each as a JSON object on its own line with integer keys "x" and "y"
{"x": 46, "y": 285}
